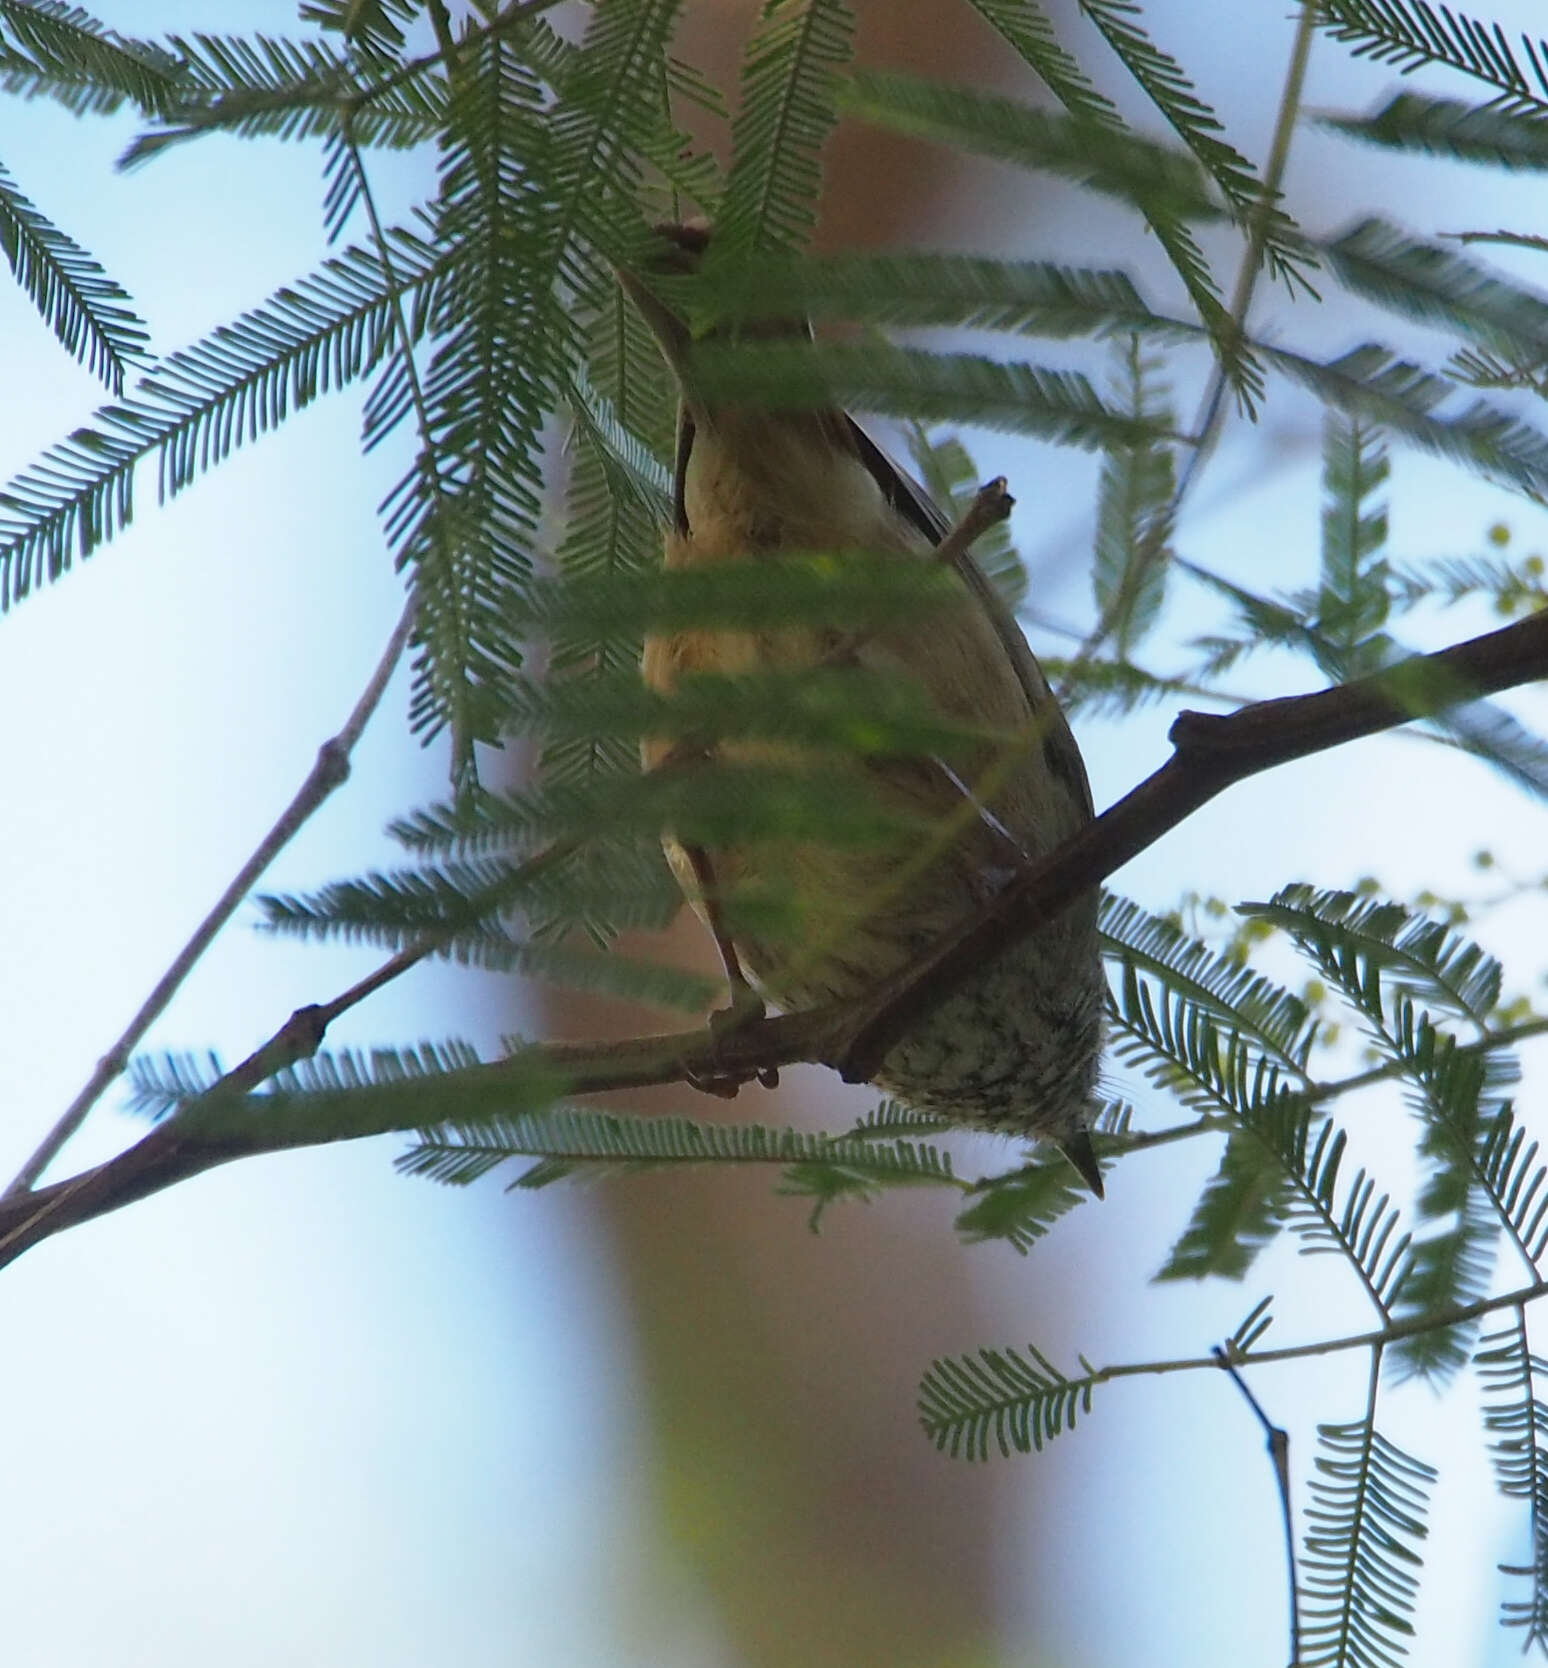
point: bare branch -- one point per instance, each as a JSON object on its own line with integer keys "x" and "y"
{"x": 1211, "y": 752}
{"x": 329, "y": 770}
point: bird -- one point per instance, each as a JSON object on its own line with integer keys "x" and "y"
{"x": 1016, "y": 1047}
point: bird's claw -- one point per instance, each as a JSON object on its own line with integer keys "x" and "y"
{"x": 746, "y": 1008}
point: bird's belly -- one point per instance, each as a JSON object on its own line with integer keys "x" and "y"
{"x": 1017, "y": 1046}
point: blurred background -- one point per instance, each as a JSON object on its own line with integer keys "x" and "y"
{"x": 303, "y": 1408}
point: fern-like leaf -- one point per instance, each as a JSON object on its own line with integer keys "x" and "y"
{"x": 1134, "y": 511}
{"x": 1022, "y": 1206}
{"x": 1238, "y": 1213}
{"x": 1516, "y": 1419}
{"x": 1360, "y": 1565}
{"x": 1118, "y": 164}
{"x": 1025, "y": 27}
{"x": 1352, "y": 599}
{"x": 1018, "y": 1399}
{"x": 1513, "y": 587}
{"x": 1024, "y": 399}
{"x": 1272, "y": 1017}
{"x": 1109, "y": 688}
{"x": 1447, "y": 127}
{"x": 1164, "y": 186}
{"x": 1372, "y": 382}
{"x": 266, "y": 87}
{"x": 569, "y": 1141}
{"x": 377, "y": 24}
{"x": 90, "y": 315}
{"x": 521, "y": 200}
{"x": 1450, "y": 1089}
{"x": 346, "y": 1095}
{"x": 952, "y": 479}
{"x": 1514, "y": 1178}
{"x": 1359, "y": 943}
{"x": 60, "y": 51}
{"x": 1410, "y": 33}
{"x": 789, "y": 87}
{"x": 1437, "y": 286}
{"x": 963, "y": 292}
{"x": 619, "y": 496}
{"x": 201, "y": 403}
{"x": 1181, "y": 1046}
{"x": 1167, "y": 86}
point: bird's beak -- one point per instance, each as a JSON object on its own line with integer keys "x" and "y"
{"x": 1078, "y": 1149}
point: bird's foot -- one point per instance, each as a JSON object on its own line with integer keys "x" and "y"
{"x": 746, "y": 1008}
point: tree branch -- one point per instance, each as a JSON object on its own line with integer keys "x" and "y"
{"x": 1210, "y": 753}
{"x": 329, "y": 770}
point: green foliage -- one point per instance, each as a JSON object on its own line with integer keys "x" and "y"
{"x": 951, "y": 478}
{"x": 790, "y": 77}
{"x": 1026, "y": 29}
{"x": 1033, "y": 298}
{"x": 1371, "y": 381}
{"x": 1369, "y": 947}
{"x": 906, "y": 382}
{"x": 1135, "y": 504}
{"x": 1437, "y": 286}
{"x": 1517, "y": 1420}
{"x": 58, "y": 51}
{"x": 267, "y": 87}
{"x": 1179, "y": 1044}
{"x": 1352, "y": 600}
{"x": 1365, "y": 1521}
{"x": 1486, "y": 133}
{"x": 843, "y": 710}
{"x": 1021, "y": 1400}
{"x": 1383, "y": 959}
{"x": 1238, "y": 1213}
{"x": 814, "y": 589}
{"x": 1167, "y": 188}
{"x": 1110, "y": 688}
{"x": 618, "y": 499}
{"x": 344, "y": 1096}
{"x": 201, "y": 403}
{"x": 1513, "y": 587}
{"x": 1023, "y": 1205}
{"x": 1409, "y": 33}
{"x": 1116, "y": 163}
{"x": 91, "y": 316}
{"x": 1169, "y": 88}
{"x": 569, "y": 1142}
{"x": 1275, "y": 1019}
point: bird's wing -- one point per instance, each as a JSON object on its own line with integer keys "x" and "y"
{"x": 910, "y": 499}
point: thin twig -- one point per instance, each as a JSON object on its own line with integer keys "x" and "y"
{"x": 429, "y": 457}
{"x": 1211, "y": 752}
{"x": 329, "y": 770}
{"x": 1206, "y": 428}
{"x": 1277, "y": 1440}
{"x": 1337, "y": 1088}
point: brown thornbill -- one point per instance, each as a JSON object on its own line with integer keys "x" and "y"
{"x": 1017, "y": 1047}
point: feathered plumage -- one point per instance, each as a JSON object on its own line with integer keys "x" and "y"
{"x": 1016, "y": 1049}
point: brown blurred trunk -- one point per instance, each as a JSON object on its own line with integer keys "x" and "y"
{"x": 777, "y": 1369}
